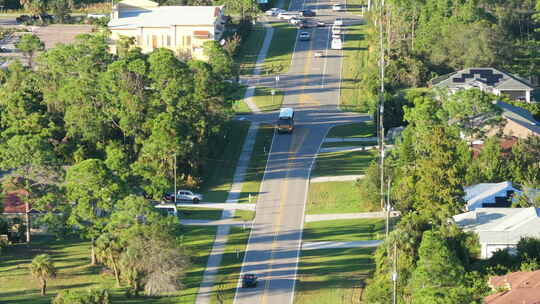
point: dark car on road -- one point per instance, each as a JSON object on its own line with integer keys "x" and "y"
{"x": 249, "y": 280}
{"x": 307, "y": 13}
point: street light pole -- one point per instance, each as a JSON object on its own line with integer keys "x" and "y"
{"x": 175, "y": 193}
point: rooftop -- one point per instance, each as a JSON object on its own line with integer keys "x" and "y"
{"x": 523, "y": 288}
{"x": 489, "y": 77}
{"x": 164, "y": 16}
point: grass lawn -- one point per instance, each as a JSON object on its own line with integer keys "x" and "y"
{"x": 237, "y": 99}
{"x": 349, "y": 144}
{"x": 72, "y": 260}
{"x": 335, "y": 197}
{"x": 265, "y": 101}
{"x": 344, "y": 230}
{"x": 361, "y": 129}
{"x": 355, "y": 6}
{"x": 195, "y": 213}
{"x": 281, "y": 48}
{"x": 333, "y": 276}
{"x": 218, "y": 179}
{"x": 249, "y": 50}
{"x": 257, "y": 164}
{"x": 342, "y": 163}
{"x": 244, "y": 215}
{"x": 356, "y": 56}
{"x": 231, "y": 265}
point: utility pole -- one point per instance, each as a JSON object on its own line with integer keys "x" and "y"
{"x": 388, "y": 209}
{"x": 381, "y": 101}
{"x": 174, "y": 169}
{"x": 394, "y": 275}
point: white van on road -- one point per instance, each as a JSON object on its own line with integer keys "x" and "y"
{"x": 288, "y": 15}
{"x": 337, "y": 44}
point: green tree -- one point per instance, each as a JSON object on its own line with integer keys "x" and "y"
{"x": 94, "y": 190}
{"x": 30, "y": 44}
{"x": 89, "y": 296}
{"x": 35, "y": 7}
{"x": 108, "y": 252}
{"x": 42, "y": 268}
{"x": 61, "y": 9}
{"x": 492, "y": 162}
{"x": 439, "y": 275}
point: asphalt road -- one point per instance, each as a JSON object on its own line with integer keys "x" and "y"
{"x": 311, "y": 87}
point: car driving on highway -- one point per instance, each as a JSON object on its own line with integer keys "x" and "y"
{"x": 249, "y": 280}
{"x": 285, "y": 123}
{"x": 304, "y": 36}
{"x": 307, "y": 13}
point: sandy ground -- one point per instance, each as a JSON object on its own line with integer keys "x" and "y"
{"x": 59, "y": 33}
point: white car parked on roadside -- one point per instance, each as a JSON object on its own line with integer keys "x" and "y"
{"x": 338, "y": 7}
{"x": 186, "y": 195}
{"x": 288, "y": 15}
{"x": 337, "y": 44}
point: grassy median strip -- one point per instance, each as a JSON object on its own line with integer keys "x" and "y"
{"x": 335, "y": 197}
{"x": 281, "y": 48}
{"x": 218, "y": 179}
{"x": 344, "y": 230}
{"x": 257, "y": 164}
{"x": 333, "y": 276}
{"x": 231, "y": 264}
{"x": 342, "y": 163}
{"x": 356, "y": 56}
{"x": 72, "y": 259}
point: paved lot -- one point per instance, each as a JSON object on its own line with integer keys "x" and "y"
{"x": 59, "y": 33}
{"x": 312, "y": 88}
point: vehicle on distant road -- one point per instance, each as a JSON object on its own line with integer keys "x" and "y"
{"x": 337, "y": 44}
{"x": 288, "y": 15}
{"x": 301, "y": 25}
{"x": 186, "y": 195}
{"x": 338, "y": 7}
{"x": 249, "y": 280}
{"x": 285, "y": 121}
{"x": 274, "y": 11}
{"x": 336, "y": 30}
{"x": 304, "y": 36}
{"x": 307, "y": 13}
{"x": 338, "y": 21}
{"x": 320, "y": 24}
{"x": 319, "y": 54}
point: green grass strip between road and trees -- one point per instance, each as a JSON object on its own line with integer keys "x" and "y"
{"x": 249, "y": 50}
{"x": 335, "y": 197}
{"x": 231, "y": 264}
{"x": 355, "y": 57}
{"x": 278, "y": 59}
{"x": 333, "y": 276}
{"x": 257, "y": 164}
{"x": 361, "y": 129}
{"x": 344, "y": 230}
{"x": 218, "y": 179}
{"x": 342, "y": 163}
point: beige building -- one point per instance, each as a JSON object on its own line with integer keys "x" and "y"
{"x": 182, "y": 29}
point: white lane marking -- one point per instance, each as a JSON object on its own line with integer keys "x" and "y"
{"x": 304, "y": 216}
{"x": 325, "y": 60}
{"x": 239, "y": 283}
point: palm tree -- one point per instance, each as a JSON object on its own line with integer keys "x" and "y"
{"x": 42, "y": 268}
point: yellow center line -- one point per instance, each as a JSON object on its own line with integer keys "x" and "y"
{"x": 307, "y": 65}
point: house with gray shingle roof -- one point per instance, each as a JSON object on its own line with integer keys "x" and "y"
{"x": 500, "y": 228}
{"x": 488, "y": 80}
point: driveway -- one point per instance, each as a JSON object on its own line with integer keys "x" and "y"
{"x": 312, "y": 88}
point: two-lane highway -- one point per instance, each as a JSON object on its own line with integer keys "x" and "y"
{"x": 312, "y": 88}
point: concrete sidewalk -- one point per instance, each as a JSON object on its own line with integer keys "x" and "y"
{"x": 214, "y": 260}
{"x": 334, "y": 245}
{"x": 348, "y": 216}
{"x": 341, "y": 178}
{"x": 346, "y": 149}
{"x": 250, "y": 91}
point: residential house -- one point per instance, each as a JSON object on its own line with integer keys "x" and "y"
{"x": 519, "y": 122}
{"x": 486, "y": 195}
{"x": 183, "y": 29}
{"x": 522, "y": 287}
{"x": 488, "y": 80}
{"x": 500, "y": 228}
